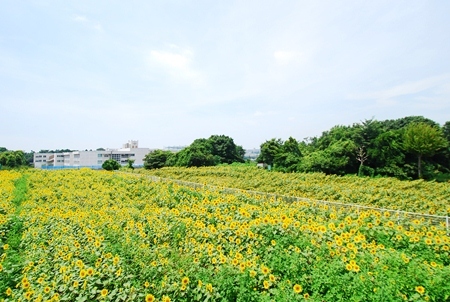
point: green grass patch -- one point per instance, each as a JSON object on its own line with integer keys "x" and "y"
{"x": 12, "y": 264}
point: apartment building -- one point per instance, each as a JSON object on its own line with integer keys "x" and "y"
{"x": 93, "y": 159}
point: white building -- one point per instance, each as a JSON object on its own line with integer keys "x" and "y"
{"x": 93, "y": 159}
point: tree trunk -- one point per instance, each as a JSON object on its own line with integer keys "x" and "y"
{"x": 419, "y": 166}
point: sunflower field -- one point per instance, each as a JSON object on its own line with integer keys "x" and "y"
{"x": 83, "y": 235}
{"x": 415, "y": 196}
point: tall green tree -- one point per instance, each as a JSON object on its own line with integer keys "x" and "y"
{"x": 157, "y": 159}
{"x": 217, "y": 149}
{"x": 198, "y": 154}
{"x": 226, "y": 151}
{"x": 338, "y": 158}
{"x": 446, "y": 131}
{"x": 269, "y": 150}
{"x": 423, "y": 140}
{"x": 289, "y": 156}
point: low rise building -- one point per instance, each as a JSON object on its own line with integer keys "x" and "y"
{"x": 93, "y": 159}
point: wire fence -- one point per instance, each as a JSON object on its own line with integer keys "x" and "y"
{"x": 402, "y": 217}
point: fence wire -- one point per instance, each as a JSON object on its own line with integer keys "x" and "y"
{"x": 403, "y": 217}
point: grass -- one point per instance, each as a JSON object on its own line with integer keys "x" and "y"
{"x": 12, "y": 231}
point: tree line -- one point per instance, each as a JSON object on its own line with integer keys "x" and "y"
{"x": 215, "y": 150}
{"x": 406, "y": 148}
{"x": 13, "y": 159}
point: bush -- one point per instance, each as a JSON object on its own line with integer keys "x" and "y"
{"x": 111, "y": 165}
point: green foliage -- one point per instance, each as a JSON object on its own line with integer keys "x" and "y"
{"x": 339, "y": 158}
{"x": 157, "y": 159}
{"x": 130, "y": 163}
{"x": 111, "y": 165}
{"x": 368, "y": 148}
{"x": 198, "y": 154}
{"x": 446, "y": 131}
{"x": 422, "y": 139}
{"x": 289, "y": 156}
{"x": 269, "y": 150}
{"x": 11, "y": 237}
{"x": 217, "y": 149}
{"x": 13, "y": 159}
{"x": 225, "y": 150}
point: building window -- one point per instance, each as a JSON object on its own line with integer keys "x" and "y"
{"x": 99, "y": 155}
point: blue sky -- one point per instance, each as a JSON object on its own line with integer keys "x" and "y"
{"x": 89, "y": 74}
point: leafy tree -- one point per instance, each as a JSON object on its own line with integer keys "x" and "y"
{"x": 110, "y": 165}
{"x": 289, "y": 156}
{"x": 157, "y": 159}
{"x": 269, "y": 150}
{"x": 225, "y": 150}
{"x": 13, "y": 159}
{"x": 446, "y": 131}
{"x": 338, "y": 159}
{"x": 403, "y": 122}
{"x": 422, "y": 140}
{"x": 29, "y": 157}
{"x": 130, "y": 163}
{"x": 3, "y": 149}
{"x": 198, "y": 154}
{"x": 387, "y": 155}
{"x": 370, "y": 147}
{"x": 217, "y": 149}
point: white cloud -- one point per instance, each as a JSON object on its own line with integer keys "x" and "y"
{"x": 177, "y": 63}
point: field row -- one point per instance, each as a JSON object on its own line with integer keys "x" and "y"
{"x": 414, "y": 196}
{"x": 90, "y": 235}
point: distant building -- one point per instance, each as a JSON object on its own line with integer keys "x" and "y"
{"x": 174, "y": 148}
{"x": 93, "y": 159}
{"x": 252, "y": 154}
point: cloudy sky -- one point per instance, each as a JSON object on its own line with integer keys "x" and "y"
{"x": 88, "y": 74}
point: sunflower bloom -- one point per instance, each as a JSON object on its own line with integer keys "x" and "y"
{"x": 420, "y": 289}
{"x": 185, "y": 281}
{"x": 149, "y": 298}
{"x": 104, "y": 292}
{"x": 166, "y": 299}
{"x": 298, "y": 288}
